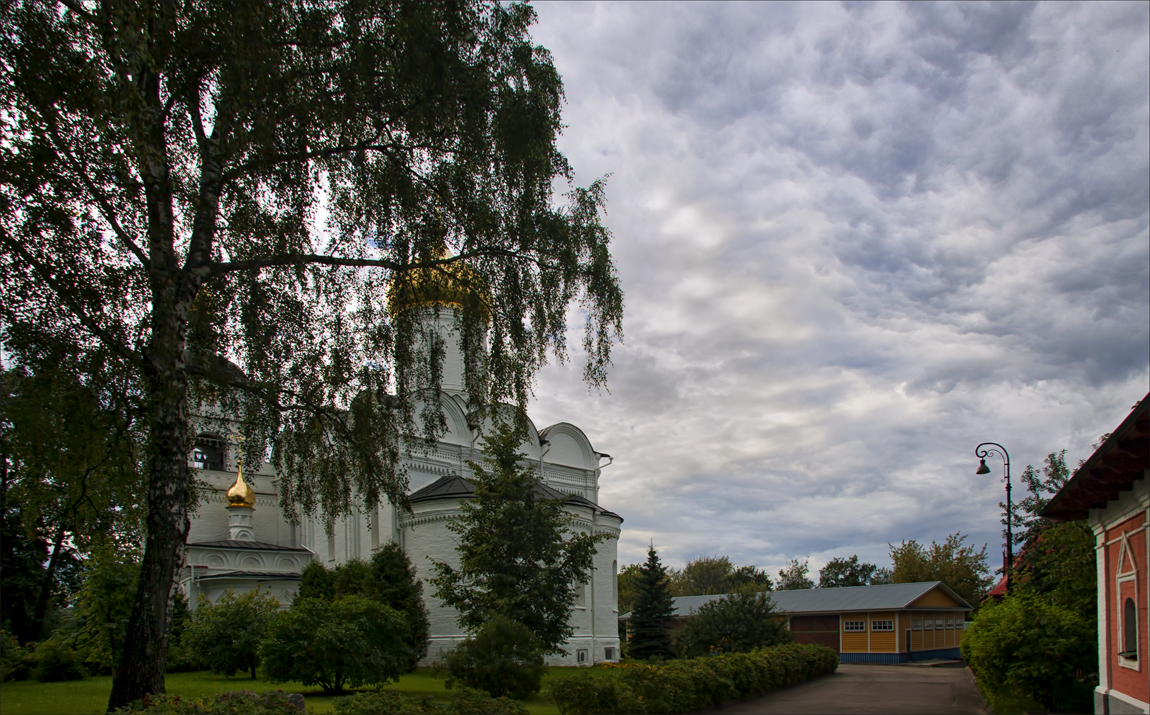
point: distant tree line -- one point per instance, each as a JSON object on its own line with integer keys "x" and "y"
{"x": 959, "y": 566}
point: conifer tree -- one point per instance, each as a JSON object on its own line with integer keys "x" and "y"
{"x": 517, "y": 556}
{"x": 651, "y": 617}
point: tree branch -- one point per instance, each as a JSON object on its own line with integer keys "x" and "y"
{"x": 87, "y": 321}
{"x": 99, "y": 198}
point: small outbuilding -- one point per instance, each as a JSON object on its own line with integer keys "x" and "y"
{"x": 891, "y": 623}
{"x": 1111, "y": 491}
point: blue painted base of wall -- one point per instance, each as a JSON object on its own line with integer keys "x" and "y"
{"x": 895, "y": 658}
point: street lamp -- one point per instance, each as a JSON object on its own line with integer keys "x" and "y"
{"x": 982, "y": 454}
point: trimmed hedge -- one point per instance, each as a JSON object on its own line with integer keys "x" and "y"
{"x": 684, "y": 686}
{"x": 461, "y": 700}
{"x": 233, "y": 702}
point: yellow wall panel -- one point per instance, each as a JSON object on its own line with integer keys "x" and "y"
{"x": 883, "y": 642}
{"x": 854, "y": 643}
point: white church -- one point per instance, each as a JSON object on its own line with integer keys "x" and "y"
{"x": 240, "y": 540}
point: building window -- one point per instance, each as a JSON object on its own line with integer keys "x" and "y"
{"x": 581, "y": 655}
{"x": 581, "y": 595}
{"x": 916, "y": 624}
{"x": 938, "y": 624}
{"x": 854, "y": 626}
{"x": 609, "y": 653}
{"x": 208, "y": 453}
{"x": 928, "y": 624}
{"x": 950, "y": 623}
{"x": 882, "y": 626}
{"x": 1129, "y": 630}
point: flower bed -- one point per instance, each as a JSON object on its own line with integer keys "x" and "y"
{"x": 683, "y": 686}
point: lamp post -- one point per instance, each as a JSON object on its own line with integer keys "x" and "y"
{"x": 982, "y": 454}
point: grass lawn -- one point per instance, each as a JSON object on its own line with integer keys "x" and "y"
{"x": 90, "y": 695}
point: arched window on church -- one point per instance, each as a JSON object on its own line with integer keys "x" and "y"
{"x": 209, "y": 452}
{"x": 1130, "y": 630}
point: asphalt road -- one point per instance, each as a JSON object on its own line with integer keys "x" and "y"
{"x": 893, "y": 689}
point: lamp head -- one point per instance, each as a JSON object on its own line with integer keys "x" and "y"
{"x": 982, "y": 468}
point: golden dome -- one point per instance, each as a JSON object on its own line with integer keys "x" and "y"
{"x": 241, "y": 494}
{"x": 455, "y": 285}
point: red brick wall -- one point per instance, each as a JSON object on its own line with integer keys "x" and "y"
{"x": 1124, "y": 679}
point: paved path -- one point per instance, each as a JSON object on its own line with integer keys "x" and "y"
{"x": 893, "y": 689}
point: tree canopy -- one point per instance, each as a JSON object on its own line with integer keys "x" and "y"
{"x": 708, "y": 575}
{"x": 165, "y": 170}
{"x": 795, "y": 576}
{"x": 958, "y": 566}
{"x": 842, "y": 571}
{"x": 388, "y": 578}
{"x": 739, "y": 623}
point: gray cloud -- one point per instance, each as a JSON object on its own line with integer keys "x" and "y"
{"x": 856, "y": 241}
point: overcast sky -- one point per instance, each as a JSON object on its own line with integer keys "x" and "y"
{"x": 856, "y": 241}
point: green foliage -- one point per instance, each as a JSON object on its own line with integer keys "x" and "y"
{"x": 70, "y": 455}
{"x": 56, "y": 662}
{"x": 232, "y": 702}
{"x": 1037, "y": 645}
{"x": 650, "y": 625}
{"x": 628, "y": 586}
{"x": 1040, "y": 487}
{"x": 97, "y": 626}
{"x": 1027, "y": 647}
{"x": 316, "y": 581}
{"x": 795, "y": 576}
{"x": 22, "y": 560}
{"x": 226, "y": 635}
{"x": 462, "y": 701}
{"x": 181, "y": 659}
{"x": 348, "y": 642}
{"x": 711, "y": 575}
{"x": 162, "y": 171}
{"x": 590, "y": 694}
{"x": 841, "y": 572}
{"x": 388, "y": 578}
{"x": 503, "y": 659}
{"x": 685, "y": 686}
{"x": 517, "y": 555}
{"x": 1060, "y": 563}
{"x": 960, "y": 567}
{"x": 738, "y": 623}
{"x": 16, "y": 662}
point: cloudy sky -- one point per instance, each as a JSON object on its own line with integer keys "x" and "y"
{"x": 856, "y": 240}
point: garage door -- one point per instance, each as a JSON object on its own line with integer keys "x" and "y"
{"x": 816, "y": 630}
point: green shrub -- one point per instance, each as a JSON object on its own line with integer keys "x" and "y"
{"x": 694, "y": 684}
{"x": 388, "y": 578}
{"x": 1024, "y": 647}
{"x": 226, "y": 635}
{"x": 461, "y": 700}
{"x": 587, "y": 693}
{"x": 503, "y": 659}
{"x": 351, "y": 641}
{"x": 232, "y": 702}
{"x": 56, "y": 662}
{"x": 738, "y": 623}
{"x": 16, "y": 663}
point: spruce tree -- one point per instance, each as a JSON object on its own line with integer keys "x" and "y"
{"x": 519, "y": 556}
{"x": 651, "y": 617}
